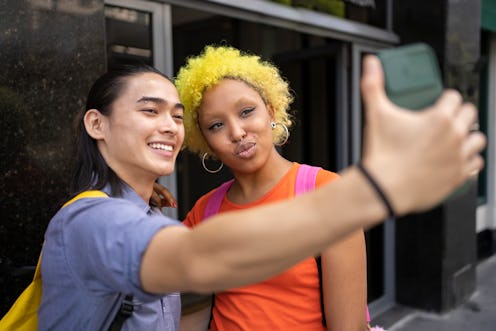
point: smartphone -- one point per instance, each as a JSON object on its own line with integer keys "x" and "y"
{"x": 413, "y": 78}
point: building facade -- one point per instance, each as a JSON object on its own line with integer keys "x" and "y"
{"x": 52, "y": 50}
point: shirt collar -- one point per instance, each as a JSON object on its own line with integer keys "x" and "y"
{"x": 129, "y": 194}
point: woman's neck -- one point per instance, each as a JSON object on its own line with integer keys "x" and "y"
{"x": 249, "y": 187}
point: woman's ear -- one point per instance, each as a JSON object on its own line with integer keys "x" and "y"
{"x": 271, "y": 112}
{"x": 94, "y": 123}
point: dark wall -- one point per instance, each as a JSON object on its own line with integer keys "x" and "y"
{"x": 436, "y": 250}
{"x": 50, "y": 52}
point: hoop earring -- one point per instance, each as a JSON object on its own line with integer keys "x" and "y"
{"x": 285, "y": 140}
{"x": 208, "y": 170}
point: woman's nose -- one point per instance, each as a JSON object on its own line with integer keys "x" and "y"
{"x": 238, "y": 133}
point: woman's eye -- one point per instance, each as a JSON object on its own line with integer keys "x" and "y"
{"x": 245, "y": 112}
{"x": 178, "y": 116}
{"x": 215, "y": 126}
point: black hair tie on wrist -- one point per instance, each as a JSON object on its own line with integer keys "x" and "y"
{"x": 377, "y": 189}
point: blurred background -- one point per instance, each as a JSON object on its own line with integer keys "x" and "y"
{"x": 52, "y": 50}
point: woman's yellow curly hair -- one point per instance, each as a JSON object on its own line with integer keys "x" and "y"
{"x": 219, "y": 62}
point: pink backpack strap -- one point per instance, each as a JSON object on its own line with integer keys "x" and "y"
{"x": 215, "y": 200}
{"x": 305, "y": 181}
{"x": 305, "y": 178}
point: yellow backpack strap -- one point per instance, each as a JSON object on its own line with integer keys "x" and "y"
{"x": 85, "y": 194}
{"x": 37, "y": 273}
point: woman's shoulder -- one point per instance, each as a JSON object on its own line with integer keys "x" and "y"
{"x": 324, "y": 176}
{"x": 327, "y": 174}
{"x": 195, "y": 215}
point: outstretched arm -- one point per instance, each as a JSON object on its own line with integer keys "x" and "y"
{"x": 418, "y": 158}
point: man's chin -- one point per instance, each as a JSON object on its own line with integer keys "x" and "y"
{"x": 166, "y": 171}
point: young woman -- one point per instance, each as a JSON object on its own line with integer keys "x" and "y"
{"x": 99, "y": 251}
{"x": 236, "y": 111}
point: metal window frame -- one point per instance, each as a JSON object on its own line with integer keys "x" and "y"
{"x": 162, "y": 34}
{"x": 388, "y": 299}
{"x": 297, "y": 19}
{"x": 486, "y": 213}
{"x": 342, "y": 117}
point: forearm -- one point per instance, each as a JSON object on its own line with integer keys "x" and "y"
{"x": 234, "y": 249}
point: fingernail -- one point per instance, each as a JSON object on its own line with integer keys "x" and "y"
{"x": 371, "y": 64}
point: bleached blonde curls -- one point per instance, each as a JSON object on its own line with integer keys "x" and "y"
{"x": 219, "y": 62}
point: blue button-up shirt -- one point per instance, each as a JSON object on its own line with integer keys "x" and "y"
{"x": 91, "y": 258}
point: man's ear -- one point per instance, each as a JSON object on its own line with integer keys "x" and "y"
{"x": 94, "y": 124}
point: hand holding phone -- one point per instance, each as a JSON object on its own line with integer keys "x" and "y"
{"x": 413, "y": 80}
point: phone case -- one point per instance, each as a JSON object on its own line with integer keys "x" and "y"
{"x": 413, "y": 78}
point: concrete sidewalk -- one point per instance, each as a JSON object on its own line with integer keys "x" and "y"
{"x": 477, "y": 314}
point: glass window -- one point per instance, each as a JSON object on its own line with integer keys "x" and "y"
{"x": 129, "y": 36}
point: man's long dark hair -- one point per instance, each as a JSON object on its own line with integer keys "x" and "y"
{"x": 91, "y": 171}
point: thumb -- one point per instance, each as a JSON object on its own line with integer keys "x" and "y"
{"x": 372, "y": 83}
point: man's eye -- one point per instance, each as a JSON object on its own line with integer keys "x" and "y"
{"x": 149, "y": 110}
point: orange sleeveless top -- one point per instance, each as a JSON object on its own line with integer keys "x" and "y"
{"x": 289, "y": 301}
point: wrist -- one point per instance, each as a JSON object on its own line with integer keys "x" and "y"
{"x": 378, "y": 190}
{"x": 393, "y": 185}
